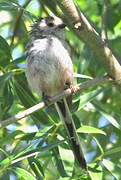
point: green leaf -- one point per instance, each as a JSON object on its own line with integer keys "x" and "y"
{"x": 59, "y": 162}
{"x": 5, "y": 52}
{"x": 90, "y": 129}
{"x": 110, "y": 166}
{"x": 112, "y": 151}
{"x": 87, "y": 97}
{"x": 11, "y": 137}
{"x": 8, "y": 97}
{"x": 65, "y": 178}
{"x": 5, "y": 77}
{"x": 28, "y": 153}
{"x": 95, "y": 171}
{"x": 99, "y": 145}
{"x": 45, "y": 130}
{"x": 13, "y": 64}
{"x": 107, "y": 116}
{"x": 22, "y": 173}
{"x": 42, "y": 133}
{"x": 36, "y": 167}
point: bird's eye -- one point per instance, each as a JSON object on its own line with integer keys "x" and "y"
{"x": 50, "y": 24}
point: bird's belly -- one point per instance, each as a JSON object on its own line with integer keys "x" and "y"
{"x": 47, "y": 78}
{"x": 48, "y": 70}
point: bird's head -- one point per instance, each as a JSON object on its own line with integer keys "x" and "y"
{"x": 50, "y": 25}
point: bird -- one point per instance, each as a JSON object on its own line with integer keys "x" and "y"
{"x": 49, "y": 71}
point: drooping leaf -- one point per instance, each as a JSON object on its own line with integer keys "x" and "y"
{"x": 112, "y": 120}
{"x": 5, "y": 52}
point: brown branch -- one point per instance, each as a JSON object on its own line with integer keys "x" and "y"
{"x": 43, "y": 7}
{"x": 52, "y": 100}
{"x": 85, "y": 32}
{"x": 18, "y": 20}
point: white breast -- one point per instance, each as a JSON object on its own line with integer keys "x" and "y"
{"x": 48, "y": 66}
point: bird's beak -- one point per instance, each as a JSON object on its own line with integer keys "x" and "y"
{"x": 61, "y": 26}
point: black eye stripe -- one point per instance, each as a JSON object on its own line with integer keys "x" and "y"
{"x": 50, "y": 24}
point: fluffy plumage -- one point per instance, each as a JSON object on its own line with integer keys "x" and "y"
{"x": 49, "y": 65}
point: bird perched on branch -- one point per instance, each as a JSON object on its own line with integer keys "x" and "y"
{"x": 49, "y": 71}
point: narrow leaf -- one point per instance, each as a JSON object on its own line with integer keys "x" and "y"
{"x": 5, "y": 52}
{"x": 84, "y": 99}
{"x": 22, "y": 173}
{"x": 110, "y": 166}
{"x": 95, "y": 171}
{"x": 107, "y": 116}
{"x": 112, "y": 151}
{"x": 90, "y": 129}
{"x": 99, "y": 145}
{"x": 36, "y": 167}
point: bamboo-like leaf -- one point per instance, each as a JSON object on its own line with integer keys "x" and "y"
{"x": 90, "y": 130}
{"x": 99, "y": 145}
{"x": 95, "y": 171}
{"x": 87, "y": 97}
{"x": 59, "y": 162}
{"x": 112, "y": 151}
{"x": 11, "y": 137}
{"x": 5, "y": 52}
{"x": 23, "y": 174}
{"x": 27, "y": 153}
{"x": 110, "y": 166}
{"x": 107, "y": 116}
{"x": 36, "y": 167}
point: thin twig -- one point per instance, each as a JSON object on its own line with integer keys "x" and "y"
{"x": 18, "y": 20}
{"x": 43, "y": 7}
{"x": 52, "y": 100}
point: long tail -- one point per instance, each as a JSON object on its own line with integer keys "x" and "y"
{"x": 65, "y": 115}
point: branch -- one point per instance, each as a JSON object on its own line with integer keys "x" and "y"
{"x": 52, "y": 100}
{"x": 18, "y": 20}
{"x": 42, "y": 5}
{"x": 85, "y": 32}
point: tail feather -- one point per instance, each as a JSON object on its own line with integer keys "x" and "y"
{"x": 65, "y": 116}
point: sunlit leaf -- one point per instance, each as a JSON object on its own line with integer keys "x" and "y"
{"x": 23, "y": 174}
{"x": 99, "y": 145}
{"x": 11, "y": 137}
{"x": 36, "y": 167}
{"x": 84, "y": 99}
{"x": 59, "y": 162}
{"x": 110, "y": 166}
{"x": 95, "y": 171}
{"x": 90, "y": 130}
